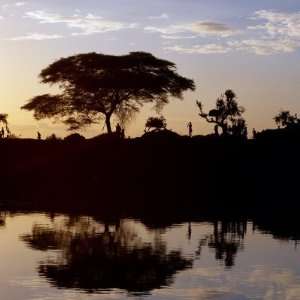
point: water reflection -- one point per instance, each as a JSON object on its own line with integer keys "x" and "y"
{"x": 92, "y": 255}
{"x": 62, "y": 256}
{"x": 227, "y": 239}
{"x": 96, "y": 256}
{"x": 2, "y": 219}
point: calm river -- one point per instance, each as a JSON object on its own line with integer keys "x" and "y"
{"x": 54, "y": 257}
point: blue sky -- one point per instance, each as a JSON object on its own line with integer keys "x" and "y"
{"x": 249, "y": 46}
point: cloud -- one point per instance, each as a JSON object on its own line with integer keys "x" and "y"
{"x": 19, "y": 4}
{"x": 275, "y": 33}
{"x": 163, "y": 16}
{"x": 199, "y": 28}
{"x": 178, "y": 37}
{"x": 279, "y": 33}
{"x": 278, "y": 24}
{"x": 36, "y": 37}
{"x": 200, "y": 49}
{"x": 89, "y": 24}
{"x": 15, "y": 4}
{"x": 265, "y": 46}
{"x": 211, "y": 28}
{"x": 256, "y": 46}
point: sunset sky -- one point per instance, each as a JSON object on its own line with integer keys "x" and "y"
{"x": 252, "y": 47}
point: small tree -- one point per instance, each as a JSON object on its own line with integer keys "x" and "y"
{"x": 156, "y": 124}
{"x": 225, "y": 115}
{"x": 285, "y": 119}
{"x": 96, "y": 85}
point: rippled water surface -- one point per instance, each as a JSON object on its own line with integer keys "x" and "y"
{"x": 53, "y": 257}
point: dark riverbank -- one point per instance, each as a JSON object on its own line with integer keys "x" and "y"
{"x": 154, "y": 174}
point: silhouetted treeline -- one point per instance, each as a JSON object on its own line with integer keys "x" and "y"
{"x": 161, "y": 172}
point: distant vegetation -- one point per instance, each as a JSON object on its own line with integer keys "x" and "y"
{"x": 285, "y": 119}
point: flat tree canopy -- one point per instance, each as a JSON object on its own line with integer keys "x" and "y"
{"x": 156, "y": 124}
{"x": 97, "y": 85}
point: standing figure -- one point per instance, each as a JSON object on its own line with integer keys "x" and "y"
{"x": 39, "y": 136}
{"x": 190, "y": 128}
{"x": 118, "y": 130}
{"x": 189, "y": 235}
{"x": 2, "y": 133}
{"x": 216, "y": 128}
{"x": 8, "y": 133}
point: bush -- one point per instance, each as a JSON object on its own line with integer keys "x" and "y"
{"x": 52, "y": 137}
{"x": 75, "y": 137}
{"x": 155, "y": 124}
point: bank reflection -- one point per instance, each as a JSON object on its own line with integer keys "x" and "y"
{"x": 92, "y": 255}
{"x": 227, "y": 239}
{"x": 98, "y": 257}
{"x": 3, "y": 216}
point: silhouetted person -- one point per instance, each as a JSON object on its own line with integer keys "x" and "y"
{"x": 189, "y": 231}
{"x": 216, "y": 129}
{"x": 245, "y": 132}
{"x": 118, "y": 130}
{"x": 2, "y": 133}
{"x": 190, "y": 128}
{"x": 8, "y": 133}
{"x": 225, "y": 129}
{"x": 254, "y": 133}
{"x": 39, "y": 136}
{"x": 123, "y": 133}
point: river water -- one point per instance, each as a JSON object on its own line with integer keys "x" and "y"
{"x": 54, "y": 257}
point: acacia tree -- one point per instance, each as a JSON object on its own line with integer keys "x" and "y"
{"x": 155, "y": 124}
{"x": 97, "y": 85}
{"x": 285, "y": 119}
{"x": 226, "y": 115}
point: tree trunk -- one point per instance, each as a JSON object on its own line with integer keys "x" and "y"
{"x": 224, "y": 129}
{"x": 108, "y": 125}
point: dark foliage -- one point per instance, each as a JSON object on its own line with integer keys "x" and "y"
{"x": 285, "y": 119}
{"x": 227, "y": 115}
{"x": 155, "y": 124}
{"x": 75, "y": 137}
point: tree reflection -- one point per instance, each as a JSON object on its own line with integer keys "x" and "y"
{"x": 96, "y": 257}
{"x": 3, "y": 216}
{"x": 227, "y": 239}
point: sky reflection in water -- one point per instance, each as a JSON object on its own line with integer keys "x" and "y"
{"x": 64, "y": 257}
